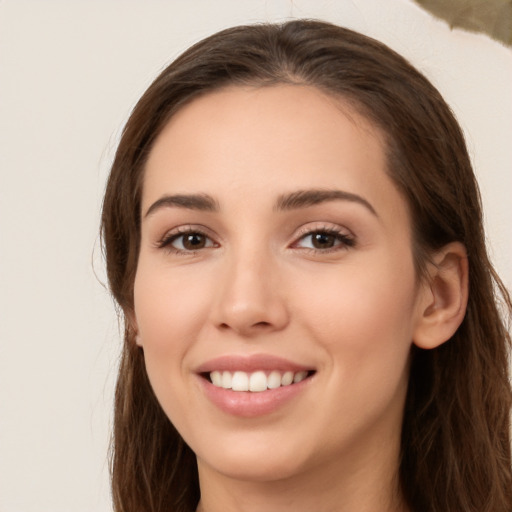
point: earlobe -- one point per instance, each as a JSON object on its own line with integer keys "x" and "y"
{"x": 131, "y": 322}
{"x": 444, "y": 297}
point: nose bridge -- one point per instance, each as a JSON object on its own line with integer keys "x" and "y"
{"x": 249, "y": 298}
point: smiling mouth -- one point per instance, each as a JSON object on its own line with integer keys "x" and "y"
{"x": 257, "y": 381}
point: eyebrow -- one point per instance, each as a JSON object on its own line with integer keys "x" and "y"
{"x": 202, "y": 202}
{"x": 292, "y": 201}
{"x": 305, "y": 198}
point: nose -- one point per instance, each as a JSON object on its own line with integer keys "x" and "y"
{"x": 249, "y": 298}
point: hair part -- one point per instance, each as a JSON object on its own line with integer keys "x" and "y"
{"x": 455, "y": 452}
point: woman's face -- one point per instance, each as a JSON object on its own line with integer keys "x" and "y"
{"x": 274, "y": 246}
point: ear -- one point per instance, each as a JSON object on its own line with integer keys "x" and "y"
{"x": 443, "y": 298}
{"x": 131, "y": 321}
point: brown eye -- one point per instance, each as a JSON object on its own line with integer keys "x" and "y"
{"x": 323, "y": 240}
{"x": 188, "y": 242}
{"x": 193, "y": 241}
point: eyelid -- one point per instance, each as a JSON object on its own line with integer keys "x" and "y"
{"x": 344, "y": 235}
{"x": 166, "y": 240}
{"x": 346, "y": 238}
{"x": 328, "y": 227}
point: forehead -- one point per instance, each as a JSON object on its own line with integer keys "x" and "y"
{"x": 265, "y": 112}
{"x": 263, "y": 141}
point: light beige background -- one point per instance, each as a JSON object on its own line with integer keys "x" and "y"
{"x": 70, "y": 71}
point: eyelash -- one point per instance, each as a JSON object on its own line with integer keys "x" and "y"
{"x": 167, "y": 241}
{"x": 343, "y": 241}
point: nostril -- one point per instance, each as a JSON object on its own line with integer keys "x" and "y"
{"x": 255, "y": 326}
{"x": 261, "y": 324}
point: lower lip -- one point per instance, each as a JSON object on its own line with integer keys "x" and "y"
{"x": 249, "y": 404}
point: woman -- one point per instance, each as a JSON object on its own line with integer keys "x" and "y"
{"x": 293, "y": 233}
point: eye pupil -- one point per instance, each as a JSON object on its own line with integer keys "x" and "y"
{"x": 323, "y": 240}
{"x": 194, "y": 241}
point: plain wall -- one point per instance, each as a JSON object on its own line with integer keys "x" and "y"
{"x": 70, "y": 72}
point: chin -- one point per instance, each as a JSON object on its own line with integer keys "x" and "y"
{"x": 257, "y": 471}
{"x": 256, "y": 462}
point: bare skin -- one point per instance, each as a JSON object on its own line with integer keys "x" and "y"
{"x": 270, "y": 227}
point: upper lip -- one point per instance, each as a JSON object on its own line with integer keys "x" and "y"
{"x": 251, "y": 363}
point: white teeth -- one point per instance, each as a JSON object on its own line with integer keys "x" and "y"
{"x": 299, "y": 376}
{"x": 256, "y": 381}
{"x": 274, "y": 380}
{"x": 226, "y": 380}
{"x": 216, "y": 379}
{"x": 287, "y": 379}
{"x": 240, "y": 382}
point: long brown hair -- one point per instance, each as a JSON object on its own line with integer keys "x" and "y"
{"x": 455, "y": 452}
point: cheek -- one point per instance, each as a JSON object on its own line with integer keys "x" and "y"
{"x": 363, "y": 324}
{"x": 167, "y": 306}
{"x": 363, "y": 316}
{"x": 170, "y": 311}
